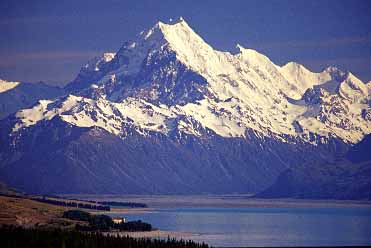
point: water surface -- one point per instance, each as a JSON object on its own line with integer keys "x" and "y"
{"x": 228, "y": 227}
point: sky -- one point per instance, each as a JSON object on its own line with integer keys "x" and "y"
{"x": 51, "y": 40}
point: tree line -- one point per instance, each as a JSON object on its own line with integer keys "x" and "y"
{"x": 14, "y": 237}
{"x": 106, "y": 203}
{"x": 73, "y": 204}
{"x": 101, "y": 222}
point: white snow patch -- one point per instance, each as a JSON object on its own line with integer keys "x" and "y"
{"x": 6, "y": 86}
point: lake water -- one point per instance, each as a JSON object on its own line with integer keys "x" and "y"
{"x": 231, "y": 227}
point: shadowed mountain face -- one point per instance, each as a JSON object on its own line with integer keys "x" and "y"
{"x": 15, "y": 96}
{"x": 91, "y": 160}
{"x": 361, "y": 152}
{"x": 169, "y": 114}
{"x": 349, "y": 177}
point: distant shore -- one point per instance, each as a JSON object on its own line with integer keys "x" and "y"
{"x": 115, "y": 210}
{"x": 221, "y": 201}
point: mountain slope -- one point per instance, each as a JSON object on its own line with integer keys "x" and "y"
{"x": 361, "y": 151}
{"x": 168, "y": 113}
{"x": 15, "y": 95}
{"x": 68, "y": 159}
{"x": 347, "y": 178}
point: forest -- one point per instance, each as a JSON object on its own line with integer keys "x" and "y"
{"x": 72, "y": 204}
{"x": 14, "y": 237}
{"x": 100, "y": 222}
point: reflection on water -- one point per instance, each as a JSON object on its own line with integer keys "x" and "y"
{"x": 267, "y": 226}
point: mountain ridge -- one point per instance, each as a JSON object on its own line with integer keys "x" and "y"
{"x": 15, "y": 96}
{"x": 243, "y": 85}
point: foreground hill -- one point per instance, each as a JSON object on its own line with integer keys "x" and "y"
{"x": 29, "y": 213}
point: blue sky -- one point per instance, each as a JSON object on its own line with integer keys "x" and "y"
{"x": 50, "y": 40}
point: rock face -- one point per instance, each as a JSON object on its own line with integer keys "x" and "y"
{"x": 169, "y": 114}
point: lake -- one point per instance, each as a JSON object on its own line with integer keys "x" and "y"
{"x": 265, "y": 226}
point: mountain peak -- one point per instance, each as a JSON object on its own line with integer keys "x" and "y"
{"x": 331, "y": 69}
{"x": 176, "y": 36}
{"x": 162, "y": 28}
{"x": 180, "y": 21}
{"x": 173, "y": 21}
{"x": 352, "y": 88}
{"x": 5, "y": 85}
{"x": 293, "y": 65}
{"x": 179, "y": 32}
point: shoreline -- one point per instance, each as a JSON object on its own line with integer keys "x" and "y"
{"x": 115, "y": 210}
{"x": 220, "y": 201}
{"x": 159, "y": 234}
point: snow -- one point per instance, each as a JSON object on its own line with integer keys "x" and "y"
{"x": 302, "y": 79}
{"x": 98, "y": 61}
{"x": 85, "y": 112}
{"x": 6, "y": 86}
{"x": 41, "y": 111}
{"x": 353, "y": 89}
{"x": 245, "y": 91}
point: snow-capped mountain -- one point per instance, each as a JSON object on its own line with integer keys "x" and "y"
{"x": 15, "y": 96}
{"x": 170, "y": 75}
{"x": 180, "y": 116}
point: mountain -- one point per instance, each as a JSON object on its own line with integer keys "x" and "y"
{"x": 170, "y": 114}
{"x": 93, "y": 70}
{"x": 347, "y": 178}
{"x": 361, "y": 151}
{"x": 15, "y": 96}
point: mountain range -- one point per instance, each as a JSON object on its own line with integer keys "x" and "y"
{"x": 169, "y": 114}
{"x": 15, "y": 96}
